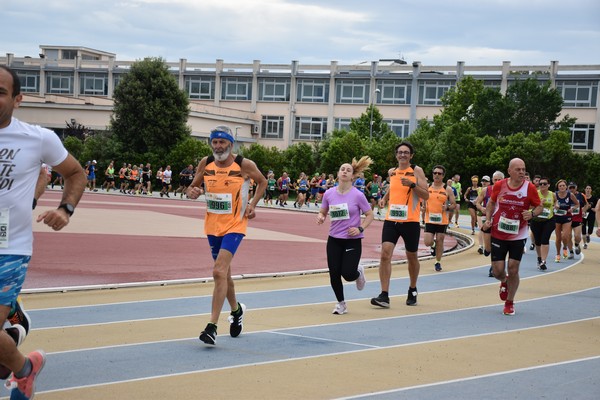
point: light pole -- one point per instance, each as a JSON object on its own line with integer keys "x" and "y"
{"x": 236, "y": 135}
{"x": 371, "y": 120}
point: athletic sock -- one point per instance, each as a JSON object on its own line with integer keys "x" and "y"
{"x": 26, "y": 370}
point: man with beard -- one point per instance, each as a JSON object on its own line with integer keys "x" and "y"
{"x": 226, "y": 179}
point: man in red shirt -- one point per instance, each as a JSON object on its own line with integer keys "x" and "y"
{"x": 513, "y": 202}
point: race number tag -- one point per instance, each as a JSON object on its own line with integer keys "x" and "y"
{"x": 560, "y": 212}
{"x": 339, "y": 212}
{"x": 435, "y": 218}
{"x": 545, "y": 213}
{"x": 398, "y": 212}
{"x": 218, "y": 203}
{"x": 575, "y": 210}
{"x": 4, "y": 218}
{"x": 507, "y": 225}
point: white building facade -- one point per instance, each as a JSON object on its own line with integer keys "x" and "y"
{"x": 282, "y": 104}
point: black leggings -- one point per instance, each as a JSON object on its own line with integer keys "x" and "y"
{"x": 343, "y": 256}
{"x": 588, "y": 224}
{"x": 542, "y": 230}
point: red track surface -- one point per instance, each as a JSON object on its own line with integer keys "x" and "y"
{"x": 74, "y": 259}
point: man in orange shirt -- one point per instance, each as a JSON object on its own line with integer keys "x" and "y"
{"x": 226, "y": 178}
{"x": 408, "y": 187}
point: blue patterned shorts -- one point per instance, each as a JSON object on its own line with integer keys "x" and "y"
{"x": 12, "y": 276}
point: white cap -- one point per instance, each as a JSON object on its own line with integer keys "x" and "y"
{"x": 94, "y": 161}
{"x": 486, "y": 178}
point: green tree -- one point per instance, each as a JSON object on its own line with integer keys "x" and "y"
{"x": 74, "y": 146}
{"x": 150, "y": 111}
{"x": 299, "y": 158}
{"x": 362, "y": 124}
{"x": 186, "y": 152}
{"x": 265, "y": 158}
{"x": 341, "y": 148}
{"x": 533, "y": 107}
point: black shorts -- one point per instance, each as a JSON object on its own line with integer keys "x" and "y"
{"x": 575, "y": 224}
{"x": 514, "y": 249}
{"x": 166, "y": 185}
{"x": 472, "y": 205}
{"x": 110, "y": 179}
{"x": 409, "y": 231}
{"x": 435, "y": 228}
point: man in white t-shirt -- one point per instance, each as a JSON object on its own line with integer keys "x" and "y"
{"x": 23, "y": 149}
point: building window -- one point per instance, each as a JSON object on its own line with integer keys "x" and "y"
{"x": 393, "y": 92}
{"x": 354, "y": 91}
{"x": 578, "y": 93}
{"x": 200, "y": 87}
{"x": 342, "y": 123}
{"x": 582, "y": 136}
{"x": 431, "y": 92}
{"x": 273, "y": 89}
{"x": 495, "y": 85}
{"x": 398, "y": 126}
{"x": 30, "y": 81}
{"x": 310, "y": 128}
{"x": 69, "y": 54}
{"x": 272, "y": 127}
{"x": 93, "y": 84}
{"x": 236, "y": 88}
{"x": 313, "y": 91}
{"x": 59, "y": 83}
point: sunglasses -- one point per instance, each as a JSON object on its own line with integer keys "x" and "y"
{"x": 401, "y": 153}
{"x": 544, "y": 183}
{"x": 438, "y": 173}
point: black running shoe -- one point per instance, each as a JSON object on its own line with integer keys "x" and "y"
{"x": 543, "y": 266}
{"x": 491, "y": 273}
{"x": 18, "y": 316}
{"x": 532, "y": 247}
{"x": 411, "y": 300}
{"x": 235, "y": 321}
{"x": 209, "y": 334}
{"x": 382, "y": 301}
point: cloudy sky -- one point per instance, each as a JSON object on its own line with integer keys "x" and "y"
{"x": 435, "y": 32}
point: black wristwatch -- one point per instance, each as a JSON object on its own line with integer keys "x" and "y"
{"x": 361, "y": 229}
{"x": 413, "y": 185}
{"x": 68, "y": 208}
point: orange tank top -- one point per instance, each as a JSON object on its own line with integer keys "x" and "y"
{"x": 434, "y": 210}
{"x": 226, "y": 198}
{"x": 404, "y": 204}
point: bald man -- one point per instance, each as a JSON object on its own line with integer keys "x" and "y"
{"x": 513, "y": 202}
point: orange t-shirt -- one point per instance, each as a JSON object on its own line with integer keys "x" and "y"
{"x": 434, "y": 211}
{"x": 403, "y": 204}
{"x": 226, "y": 199}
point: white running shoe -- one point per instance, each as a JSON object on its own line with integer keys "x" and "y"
{"x": 340, "y": 308}
{"x": 361, "y": 280}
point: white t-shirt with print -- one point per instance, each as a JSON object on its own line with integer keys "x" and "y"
{"x": 23, "y": 150}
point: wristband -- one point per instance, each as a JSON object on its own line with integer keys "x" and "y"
{"x": 361, "y": 229}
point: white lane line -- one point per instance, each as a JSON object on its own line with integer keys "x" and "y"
{"x": 473, "y": 378}
{"x": 205, "y": 280}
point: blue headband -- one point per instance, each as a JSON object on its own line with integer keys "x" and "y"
{"x": 221, "y": 135}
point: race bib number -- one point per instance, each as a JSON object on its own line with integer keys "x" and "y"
{"x": 560, "y": 212}
{"x": 4, "y": 218}
{"x": 398, "y": 212}
{"x": 339, "y": 212}
{"x": 575, "y": 210}
{"x": 545, "y": 213}
{"x": 219, "y": 203}
{"x": 507, "y": 225}
{"x": 435, "y": 218}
